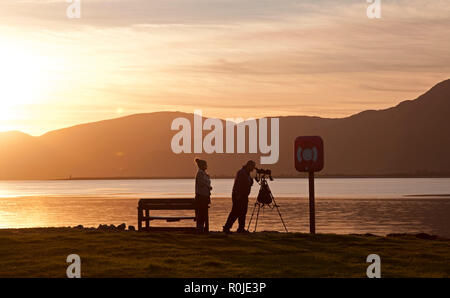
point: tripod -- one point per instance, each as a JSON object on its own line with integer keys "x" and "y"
{"x": 265, "y": 198}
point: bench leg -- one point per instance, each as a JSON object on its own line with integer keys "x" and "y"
{"x": 140, "y": 215}
{"x": 147, "y": 221}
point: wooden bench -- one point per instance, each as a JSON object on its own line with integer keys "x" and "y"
{"x": 145, "y": 205}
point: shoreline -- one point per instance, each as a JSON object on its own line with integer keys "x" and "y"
{"x": 126, "y": 227}
{"x": 251, "y": 198}
{"x": 91, "y": 211}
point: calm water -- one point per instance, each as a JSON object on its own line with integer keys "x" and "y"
{"x": 378, "y": 206}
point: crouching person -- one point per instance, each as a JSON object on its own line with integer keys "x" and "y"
{"x": 241, "y": 190}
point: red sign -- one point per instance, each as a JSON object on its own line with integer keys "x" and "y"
{"x": 308, "y": 154}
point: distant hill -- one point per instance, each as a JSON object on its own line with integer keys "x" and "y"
{"x": 412, "y": 138}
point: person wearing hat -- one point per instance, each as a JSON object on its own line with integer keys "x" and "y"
{"x": 243, "y": 183}
{"x": 202, "y": 195}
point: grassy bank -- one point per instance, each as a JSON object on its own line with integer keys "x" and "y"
{"x": 43, "y": 252}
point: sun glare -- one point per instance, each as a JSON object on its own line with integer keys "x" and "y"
{"x": 22, "y": 81}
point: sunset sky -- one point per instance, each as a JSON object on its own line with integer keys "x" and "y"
{"x": 230, "y": 58}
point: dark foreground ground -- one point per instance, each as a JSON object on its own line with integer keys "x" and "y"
{"x": 43, "y": 253}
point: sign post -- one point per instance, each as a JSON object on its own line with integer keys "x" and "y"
{"x": 309, "y": 157}
{"x": 312, "y": 208}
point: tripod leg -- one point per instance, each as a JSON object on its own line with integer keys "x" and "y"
{"x": 279, "y": 213}
{"x": 251, "y": 218}
{"x": 257, "y": 217}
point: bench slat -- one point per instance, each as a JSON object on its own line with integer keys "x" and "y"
{"x": 165, "y": 201}
{"x": 166, "y": 207}
{"x": 167, "y": 204}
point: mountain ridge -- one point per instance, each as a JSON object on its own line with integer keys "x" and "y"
{"x": 444, "y": 84}
{"x": 411, "y": 138}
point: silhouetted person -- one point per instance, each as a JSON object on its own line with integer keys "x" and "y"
{"x": 202, "y": 195}
{"x": 241, "y": 190}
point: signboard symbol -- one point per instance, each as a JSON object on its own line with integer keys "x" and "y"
{"x": 307, "y": 154}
